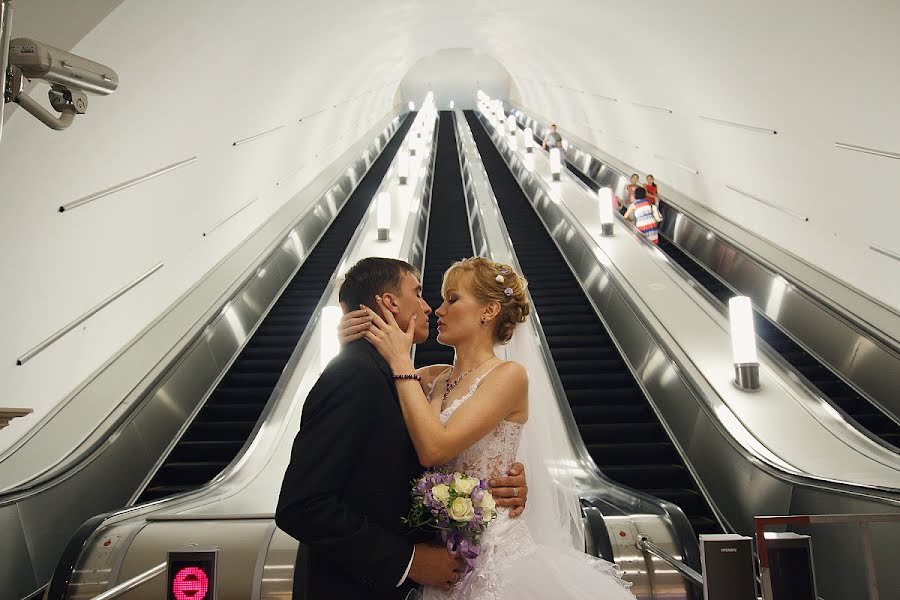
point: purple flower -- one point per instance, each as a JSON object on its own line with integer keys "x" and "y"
{"x": 508, "y": 291}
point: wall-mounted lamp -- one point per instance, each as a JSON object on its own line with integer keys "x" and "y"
{"x": 402, "y": 167}
{"x": 555, "y": 163}
{"x": 329, "y": 343}
{"x": 743, "y": 343}
{"x": 605, "y": 197}
{"x": 383, "y": 218}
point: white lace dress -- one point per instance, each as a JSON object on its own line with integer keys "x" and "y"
{"x": 511, "y": 565}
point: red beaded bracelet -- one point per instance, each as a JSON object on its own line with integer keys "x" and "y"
{"x": 415, "y": 376}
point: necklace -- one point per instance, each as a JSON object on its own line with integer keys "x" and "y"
{"x": 449, "y": 385}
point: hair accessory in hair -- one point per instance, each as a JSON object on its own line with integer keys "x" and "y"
{"x": 504, "y": 271}
{"x": 499, "y": 278}
{"x": 508, "y": 291}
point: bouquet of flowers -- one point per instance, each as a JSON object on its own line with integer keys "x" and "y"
{"x": 459, "y": 506}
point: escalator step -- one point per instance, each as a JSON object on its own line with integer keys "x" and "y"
{"x": 613, "y": 413}
{"x": 206, "y": 450}
{"x": 633, "y": 453}
{"x": 608, "y": 433}
{"x": 647, "y": 476}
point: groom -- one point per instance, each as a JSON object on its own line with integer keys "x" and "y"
{"x": 348, "y": 483}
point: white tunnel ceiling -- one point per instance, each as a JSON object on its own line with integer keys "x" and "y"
{"x": 196, "y": 76}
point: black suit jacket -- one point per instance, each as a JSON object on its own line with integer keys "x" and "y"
{"x": 348, "y": 483}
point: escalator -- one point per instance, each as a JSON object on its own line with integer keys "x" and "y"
{"x": 618, "y": 424}
{"x": 830, "y": 386}
{"x": 230, "y": 414}
{"x": 448, "y": 234}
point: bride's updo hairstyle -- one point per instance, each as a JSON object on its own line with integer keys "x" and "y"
{"x": 488, "y": 280}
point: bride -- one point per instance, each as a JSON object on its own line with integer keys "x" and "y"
{"x": 469, "y": 417}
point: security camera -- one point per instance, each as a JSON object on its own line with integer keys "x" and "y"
{"x": 39, "y": 61}
{"x": 70, "y": 78}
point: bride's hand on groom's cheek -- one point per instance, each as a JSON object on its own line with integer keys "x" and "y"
{"x": 389, "y": 339}
{"x": 353, "y": 326}
{"x": 511, "y": 491}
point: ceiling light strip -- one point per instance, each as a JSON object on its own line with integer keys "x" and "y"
{"x": 865, "y": 150}
{"x": 739, "y": 125}
{"x": 56, "y": 336}
{"x": 885, "y": 252}
{"x": 131, "y": 182}
{"x": 318, "y": 112}
{"x": 652, "y": 107}
{"x": 229, "y": 217}
{"x": 686, "y": 168}
{"x": 778, "y": 207}
{"x": 257, "y": 136}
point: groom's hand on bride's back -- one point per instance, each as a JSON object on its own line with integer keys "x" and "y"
{"x": 511, "y": 491}
{"x": 432, "y": 565}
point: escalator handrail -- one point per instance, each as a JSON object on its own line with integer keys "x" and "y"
{"x": 612, "y": 491}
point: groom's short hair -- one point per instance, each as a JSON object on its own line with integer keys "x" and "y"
{"x": 373, "y": 276}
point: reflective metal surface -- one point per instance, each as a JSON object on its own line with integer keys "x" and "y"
{"x": 740, "y": 479}
{"x": 105, "y": 468}
{"x": 209, "y": 515}
{"x": 626, "y": 513}
{"x": 857, "y": 337}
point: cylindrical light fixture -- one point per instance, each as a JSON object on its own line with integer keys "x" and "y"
{"x": 402, "y": 167}
{"x": 383, "y": 218}
{"x": 529, "y": 140}
{"x": 605, "y": 198}
{"x": 511, "y": 124}
{"x": 555, "y": 163}
{"x": 412, "y": 106}
{"x": 743, "y": 343}
{"x": 329, "y": 343}
{"x": 451, "y": 104}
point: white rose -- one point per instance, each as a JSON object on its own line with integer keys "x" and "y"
{"x": 464, "y": 485}
{"x": 441, "y": 493}
{"x": 489, "y": 506}
{"x": 462, "y": 510}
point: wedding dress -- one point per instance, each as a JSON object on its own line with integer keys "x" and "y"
{"x": 512, "y": 566}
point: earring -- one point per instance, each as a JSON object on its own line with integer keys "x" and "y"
{"x": 483, "y": 321}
